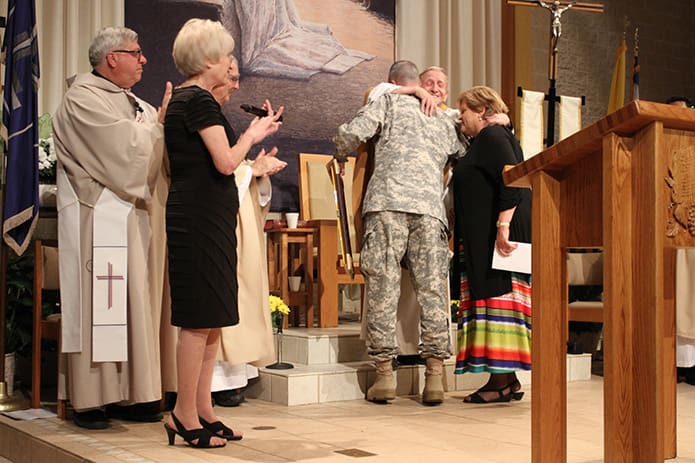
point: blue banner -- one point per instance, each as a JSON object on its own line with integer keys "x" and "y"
{"x": 20, "y": 116}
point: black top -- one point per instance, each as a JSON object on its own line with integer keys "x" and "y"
{"x": 201, "y": 216}
{"x": 479, "y": 196}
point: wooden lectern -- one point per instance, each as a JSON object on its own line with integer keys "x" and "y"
{"x": 626, "y": 183}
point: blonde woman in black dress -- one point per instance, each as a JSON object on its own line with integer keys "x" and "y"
{"x": 201, "y": 217}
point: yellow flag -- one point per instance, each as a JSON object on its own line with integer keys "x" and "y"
{"x": 616, "y": 100}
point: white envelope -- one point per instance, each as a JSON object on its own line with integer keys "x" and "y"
{"x": 517, "y": 261}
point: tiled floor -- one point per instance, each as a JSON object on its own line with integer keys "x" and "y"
{"x": 404, "y": 431}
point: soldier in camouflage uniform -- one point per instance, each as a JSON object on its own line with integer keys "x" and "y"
{"x": 404, "y": 220}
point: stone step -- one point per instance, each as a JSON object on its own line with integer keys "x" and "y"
{"x": 331, "y": 364}
{"x": 318, "y": 346}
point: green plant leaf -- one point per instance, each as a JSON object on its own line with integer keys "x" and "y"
{"x": 45, "y": 126}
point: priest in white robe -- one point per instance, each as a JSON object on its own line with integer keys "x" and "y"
{"x": 248, "y": 345}
{"x": 112, "y": 184}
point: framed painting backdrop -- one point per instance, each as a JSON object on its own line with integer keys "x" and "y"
{"x": 316, "y": 58}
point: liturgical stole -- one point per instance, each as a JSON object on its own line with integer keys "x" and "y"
{"x": 70, "y": 263}
{"x": 110, "y": 279}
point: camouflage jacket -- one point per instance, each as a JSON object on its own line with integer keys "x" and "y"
{"x": 410, "y": 154}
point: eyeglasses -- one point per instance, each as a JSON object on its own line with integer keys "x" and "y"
{"x": 134, "y": 53}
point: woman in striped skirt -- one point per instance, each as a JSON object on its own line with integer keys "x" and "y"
{"x": 494, "y": 319}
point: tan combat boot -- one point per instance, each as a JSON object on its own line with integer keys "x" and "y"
{"x": 384, "y": 387}
{"x": 433, "y": 394}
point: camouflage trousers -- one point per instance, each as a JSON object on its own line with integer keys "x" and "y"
{"x": 421, "y": 242}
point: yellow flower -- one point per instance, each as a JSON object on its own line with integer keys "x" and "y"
{"x": 278, "y": 305}
{"x": 455, "y": 306}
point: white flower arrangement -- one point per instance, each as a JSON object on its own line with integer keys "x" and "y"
{"x": 47, "y": 159}
{"x": 47, "y": 152}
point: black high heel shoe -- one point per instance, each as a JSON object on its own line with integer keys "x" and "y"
{"x": 516, "y": 395}
{"x": 504, "y": 394}
{"x": 202, "y": 435}
{"x": 217, "y": 427}
{"x": 477, "y": 398}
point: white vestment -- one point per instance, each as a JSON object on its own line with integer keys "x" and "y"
{"x": 250, "y": 341}
{"x": 109, "y": 140}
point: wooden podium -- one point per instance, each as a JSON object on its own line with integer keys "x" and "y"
{"x": 625, "y": 183}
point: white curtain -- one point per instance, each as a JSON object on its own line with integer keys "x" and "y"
{"x": 462, "y": 36}
{"x": 65, "y": 29}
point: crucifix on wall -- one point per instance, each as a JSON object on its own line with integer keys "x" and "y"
{"x": 556, "y": 9}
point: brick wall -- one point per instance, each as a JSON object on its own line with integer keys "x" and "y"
{"x": 589, "y": 41}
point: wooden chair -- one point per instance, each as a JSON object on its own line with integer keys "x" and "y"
{"x": 281, "y": 265}
{"x": 317, "y": 205}
{"x": 45, "y": 277}
{"x": 584, "y": 269}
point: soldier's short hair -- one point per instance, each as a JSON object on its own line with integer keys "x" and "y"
{"x": 403, "y": 72}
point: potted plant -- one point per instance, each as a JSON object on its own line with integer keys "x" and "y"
{"x": 18, "y": 316}
{"x": 47, "y": 152}
{"x": 47, "y": 163}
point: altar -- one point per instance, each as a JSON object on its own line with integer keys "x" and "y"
{"x": 623, "y": 183}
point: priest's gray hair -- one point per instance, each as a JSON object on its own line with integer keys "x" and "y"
{"x": 200, "y": 41}
{"x": 107, "y": 40}
{"x": 403, "y": 72}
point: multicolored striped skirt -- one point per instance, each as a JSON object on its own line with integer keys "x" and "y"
{"x": 494, "y": 335}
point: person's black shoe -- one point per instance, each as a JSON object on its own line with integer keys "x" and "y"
{"x": 228, "y": 398}
{"x": 690, "y": 376}
{"x": 680, "y": 374}
{"x": 146, "y": 412}
{"x": 169, "y": 401}
{"x": 91, "y": 419}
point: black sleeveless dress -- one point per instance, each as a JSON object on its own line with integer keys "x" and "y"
{"x": 201, "y": 216}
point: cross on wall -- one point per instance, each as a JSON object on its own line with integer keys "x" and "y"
{"x": 556, "y": 9}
